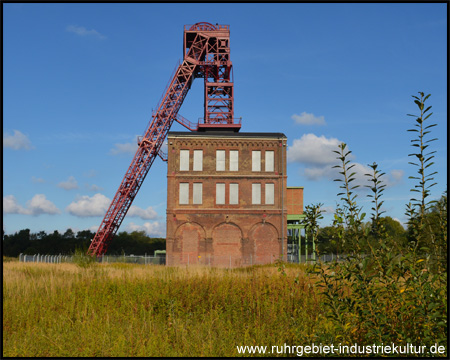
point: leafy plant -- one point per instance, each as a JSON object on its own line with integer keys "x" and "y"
{"x": 313, "y": 214}
{"x": 423, "y": 237}
{"x": 386, "y": 291}
{"x": 82, "y": 260}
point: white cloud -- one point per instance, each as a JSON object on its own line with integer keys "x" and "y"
{"x": 37, "y": 180}
{"x": 97, "y": 205}
{"x": 17, "y": 141}
{"x": 397, "y": 175}
{"x": 389, "y": 179}
{"x": 155, "y": 229}
{"x": 90, "y": 173}
{"x": 308, "y": 119}
{"x": 328, "y": 209}
{"x": 316, "y": 153}
{"x": 70, "y": 184}
{"x": 85, "y": 206}
{"x": 82, "y": 31}
{"x": 94, "y": 187}
{"x": 127, "y": 148}
{"x": 36, "y": 206}
{"x": 317, "y": 172}
{"x": 93, "y": 228}
{"x": 314, "y": 150}
{"x": 11, "y": 206}
{"x": 360, "y": 178}
{"x": 145, "y": 214}
{"x": 40, "y": 205}
{"x": 405, "y": 224}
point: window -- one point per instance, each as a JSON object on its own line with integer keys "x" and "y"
{"x": 269, "y": 161}
{"x": 184, "y": 194}
{"x": 197, "y": 193}
{"x": 198, "y": 160}
{"x": 184, "y": 160}
{"x": 220, "y": 194}
{"x": 270, "y": 194}
{"x": 234, "y": 194}
{"x": 220, "y": 160}
{"x": 234, "y": 160}
{"x": 256, "y": 193}
{"x": 256, "y": 160}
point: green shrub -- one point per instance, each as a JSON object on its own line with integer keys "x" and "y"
{"x": 386, "y": 290}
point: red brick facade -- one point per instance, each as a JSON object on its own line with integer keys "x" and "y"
{"x": 294, "y": 200}
{"x": 225, "y": 193}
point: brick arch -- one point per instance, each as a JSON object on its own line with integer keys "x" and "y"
{"x": 227, "y": 245}
{"x": 266, "y": 244}
{"x": 190, "y": 242}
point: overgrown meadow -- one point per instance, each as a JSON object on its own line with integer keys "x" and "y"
{"x": 386, "y": 292}
{"x": 138, "y": 310}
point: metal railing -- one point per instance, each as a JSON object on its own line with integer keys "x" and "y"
{"x": 228, "y": 261}
{"x": 38, "y": 258}
{"x": 104, "y": 259}
{"x": 310, "y": 258}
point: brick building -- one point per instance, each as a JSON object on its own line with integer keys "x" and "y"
{"x": 225, "y": 195}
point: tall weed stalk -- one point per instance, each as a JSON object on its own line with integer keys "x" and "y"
{"x": 385, "y": 291}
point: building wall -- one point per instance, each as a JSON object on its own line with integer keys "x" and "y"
{"x": 211, "y": 228}
{"x": 294, "y": 200}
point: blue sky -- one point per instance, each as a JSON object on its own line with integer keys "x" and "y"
{"x": 80, "y": 82}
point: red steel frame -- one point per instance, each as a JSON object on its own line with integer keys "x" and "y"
{"x": 206, "y": 54}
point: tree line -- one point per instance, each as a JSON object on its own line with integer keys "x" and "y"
{"x": 67, "y": 243}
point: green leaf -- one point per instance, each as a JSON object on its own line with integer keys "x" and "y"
{"x": 419, "y": 104}
{"x": 426, "y": 117}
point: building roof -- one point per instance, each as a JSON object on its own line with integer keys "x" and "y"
{"x": 231, "y": 134}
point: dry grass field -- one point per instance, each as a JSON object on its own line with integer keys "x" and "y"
{"x": 134, "y": 310}
{"x": 127, "y": 310}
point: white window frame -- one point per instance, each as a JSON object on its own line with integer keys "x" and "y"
{"x": 220, "y": 193}
{"x": 197, "y": 193}
{"x": 256, "y": 160}
{"x": 183, "y": 196}
{"x": 270, "y": 194}
{"x": 234, "y": 160}
{"x": 234, "y": 194}
{"x": 198, "y": 160}
{"x": 220, "y": 160}
{"x": 184, "y": 160}
{"x": 256, "y": 194}
{"x": 270, "y": 160}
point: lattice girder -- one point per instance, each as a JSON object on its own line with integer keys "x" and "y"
{"x": 205, "y": 54}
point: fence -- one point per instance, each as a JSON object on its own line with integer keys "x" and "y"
{"x": 55, "y": 259}
{"x": 228, "y": 261}
{"x": 310, "y": 258}
{"x": 105, "y": 259}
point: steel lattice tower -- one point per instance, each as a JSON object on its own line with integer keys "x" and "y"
{"x": 206, "y": 54}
